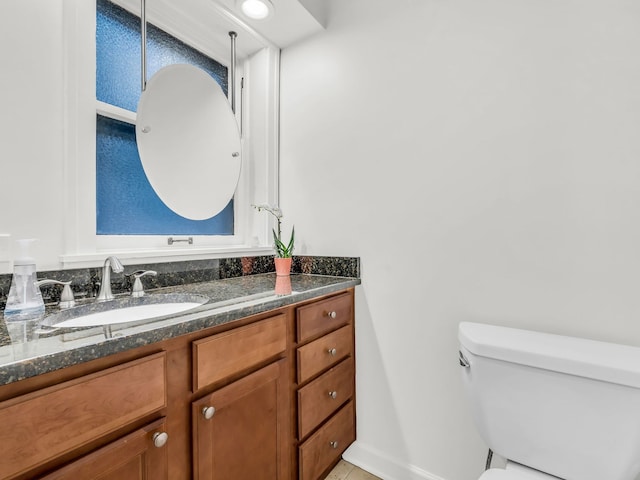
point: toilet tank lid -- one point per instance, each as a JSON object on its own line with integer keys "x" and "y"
{"x": 604, "y": 361}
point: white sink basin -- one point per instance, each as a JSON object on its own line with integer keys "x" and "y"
{"x": 128, "y": 314}
{"x": 125, "y": 310}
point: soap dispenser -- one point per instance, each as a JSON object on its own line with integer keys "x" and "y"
{"x": 24, "y": 299}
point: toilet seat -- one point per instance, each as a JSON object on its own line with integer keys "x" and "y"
{"x": 515, "y": 472}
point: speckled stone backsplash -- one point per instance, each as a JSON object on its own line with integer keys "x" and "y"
{"x": 86, "y": 282}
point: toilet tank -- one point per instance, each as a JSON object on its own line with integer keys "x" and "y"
{"x": 566, "y": 406}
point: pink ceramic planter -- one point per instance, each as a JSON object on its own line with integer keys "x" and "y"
{"x": 283, "y": 266}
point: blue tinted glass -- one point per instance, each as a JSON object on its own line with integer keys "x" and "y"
{"x": 118, "y": 56}
{"x": 126, "y": 202}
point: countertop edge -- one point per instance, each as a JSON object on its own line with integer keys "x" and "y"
{"x": 193, "y": 322}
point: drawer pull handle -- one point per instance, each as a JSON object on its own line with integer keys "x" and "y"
{"x": 333, "y": 352}
{"x": 333, "y": 394}
{"x": 333, "y": 444}
{"x": 160, "y": 439}
{"x": 207, "y": 412}
{"x": 332, "y": 314}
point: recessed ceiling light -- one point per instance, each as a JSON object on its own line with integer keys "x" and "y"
{"x": 256, "y": 9}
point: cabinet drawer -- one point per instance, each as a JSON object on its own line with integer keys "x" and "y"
{"x": 39, "y": 427}
{"x": 324, "y": 395}
{"x": 325, "y": 446}
{"x": 222, "y": 355}
{"x": 324, "y": 352}
{"x": 323, "y": 316}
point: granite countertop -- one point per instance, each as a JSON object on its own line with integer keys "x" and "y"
{"x": 30, "y": 348}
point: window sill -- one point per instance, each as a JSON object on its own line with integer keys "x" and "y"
{"x": 173, "y": 254}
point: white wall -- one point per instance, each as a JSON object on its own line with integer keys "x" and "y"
{"x": 31, "y": 125}
{"x": 483, "y": 159}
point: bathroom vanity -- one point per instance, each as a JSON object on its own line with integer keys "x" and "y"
{"x": 255, "y": 386}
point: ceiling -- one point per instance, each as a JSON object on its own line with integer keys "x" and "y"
{"x": 205, "y": 24}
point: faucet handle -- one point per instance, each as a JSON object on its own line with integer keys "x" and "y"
{"x": 67, "y": 300}
{"x": 138, "y": 290}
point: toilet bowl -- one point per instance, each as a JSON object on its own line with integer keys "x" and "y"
{"x": 561, "y": 405}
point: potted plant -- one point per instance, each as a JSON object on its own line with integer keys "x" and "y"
{"x": 284, "y": 251}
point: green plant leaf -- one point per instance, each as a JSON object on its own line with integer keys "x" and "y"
{"x": 282, "y": 250}
{"x": 291, "y": 241}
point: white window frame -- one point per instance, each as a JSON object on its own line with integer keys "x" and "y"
{"x": 259, "y": 176}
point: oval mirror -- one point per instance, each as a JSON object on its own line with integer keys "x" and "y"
{"x": 188, "y": 141}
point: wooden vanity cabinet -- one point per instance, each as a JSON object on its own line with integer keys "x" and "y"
{"x": 325, "y": 390}
{"x": 267, "y": 397}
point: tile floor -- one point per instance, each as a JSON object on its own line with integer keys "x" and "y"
{"x": 346, "y": 471}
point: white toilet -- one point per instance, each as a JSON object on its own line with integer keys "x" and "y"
{"x": 553, "y": 406}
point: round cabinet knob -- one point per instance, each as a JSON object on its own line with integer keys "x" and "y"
{"x": 160, "y": 439}
{"x": 333, "y": 352}
{"x": 333, "y": 394}
{"x": 207, "y": 412}
{"x": 333, "y": 444}
{"x": 332, "y": 314}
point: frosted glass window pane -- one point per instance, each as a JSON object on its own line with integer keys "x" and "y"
{"x": 126, "y": 203}
{"x": 118, "y": 56}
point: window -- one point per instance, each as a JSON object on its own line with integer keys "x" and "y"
{"x": 126, "y": 204}
{"x": 84, "y": 115}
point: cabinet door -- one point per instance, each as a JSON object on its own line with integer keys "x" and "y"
{"x": 141, "y": 455}
{"x": 240, "y": 431}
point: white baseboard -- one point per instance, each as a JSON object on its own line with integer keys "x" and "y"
{"x": 384, "y": 466}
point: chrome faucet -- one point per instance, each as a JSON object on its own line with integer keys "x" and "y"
{"x": 111, "y": 263}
